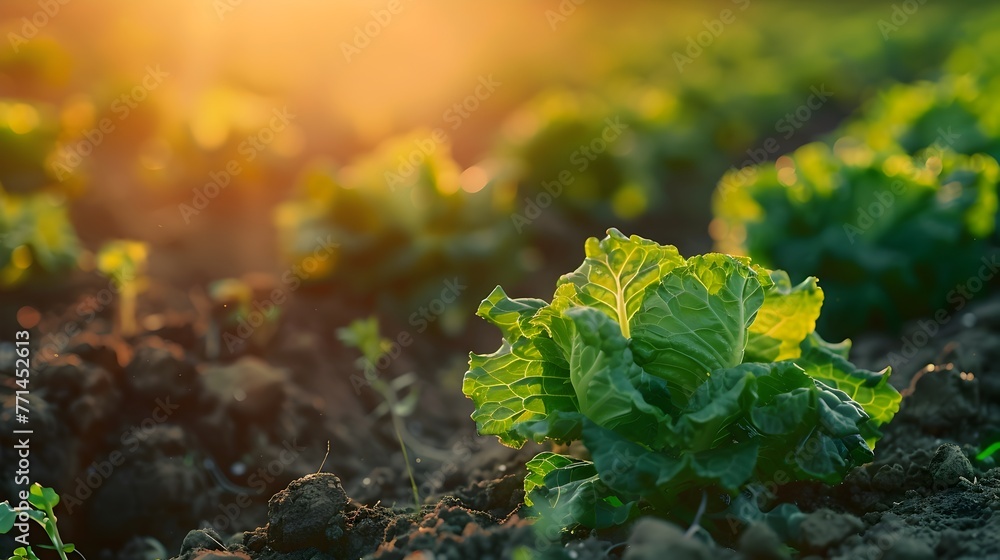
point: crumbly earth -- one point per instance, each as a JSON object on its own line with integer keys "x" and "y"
{"x": 158, "y": 450}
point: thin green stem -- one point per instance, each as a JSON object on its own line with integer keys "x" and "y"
{"x": 53, "y": 532}
{"x": 397, "y": 425}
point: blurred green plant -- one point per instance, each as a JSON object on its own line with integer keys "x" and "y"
{"x": 684, "y": 122}
{"x": 634, "y": 137}
{"x": 583, "y": 151}
{"x": 42, "y": 502}
{"x": 402, "y": 219}
{"x": 232, "y": 302}
{"x": 956, "y": 112}
{"x": 28, "y": 136}
{"x": 124, "y": 262}
{"x": 37, "y": 240}
{"x": 891, "y": 235}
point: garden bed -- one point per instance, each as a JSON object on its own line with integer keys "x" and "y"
{"x": 153, "y": 442}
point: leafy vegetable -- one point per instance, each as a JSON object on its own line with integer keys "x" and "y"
{"x": 41, "y": 502}
{"x": 676, "y": 374}
{"x": 953, "y": 112}
{"x": 890, "y": 234}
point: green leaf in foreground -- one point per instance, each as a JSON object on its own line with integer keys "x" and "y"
{"x": 516, "y": 385}
{"x": 42, "y": 498}
{"x": 632, "y": 469}
{"x": 607, "y": 380}
{"x": 7, "y": 517}
{"x": 23, "y": 552}
{"x": 870, "y": 389}
{"x": 512, "y": 316}
{"x": 617, "y": 271}
{"x": 786, "y": 317}
{"x": 563, "y": 488}
{"x": 41, "y": 502}
{"x": 817, "y": 428}
{"x": 695, "y": 321}
{"x": 678, "y": 376}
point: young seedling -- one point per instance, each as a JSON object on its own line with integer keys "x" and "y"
{"x": 42, "y": 502}
{"x": 233, "y": 310}
{"x": 124, "y": 262}
{"x": 363, "y": 334}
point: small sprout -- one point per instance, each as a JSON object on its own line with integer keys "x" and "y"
{"x": 42, "y": 502}
{"x": 236, "y": 311}
{"x": 124, "y": 262}
{"x": 230, "y": 291}
{"x": 364, "y": 335}
{"x": 23, "y": 552}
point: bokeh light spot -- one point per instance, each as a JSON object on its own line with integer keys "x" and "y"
{"x": 22, "y": 118}
{"x": 21, "y": 257}
{"x": 473, "y": 179}
{"x": 28, "y": 317}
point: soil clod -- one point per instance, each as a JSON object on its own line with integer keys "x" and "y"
{"x": 949, "y": 465}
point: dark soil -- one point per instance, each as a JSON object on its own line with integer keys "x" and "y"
{"x": 145, "y": 438}
{"x": 157, "y": 450}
